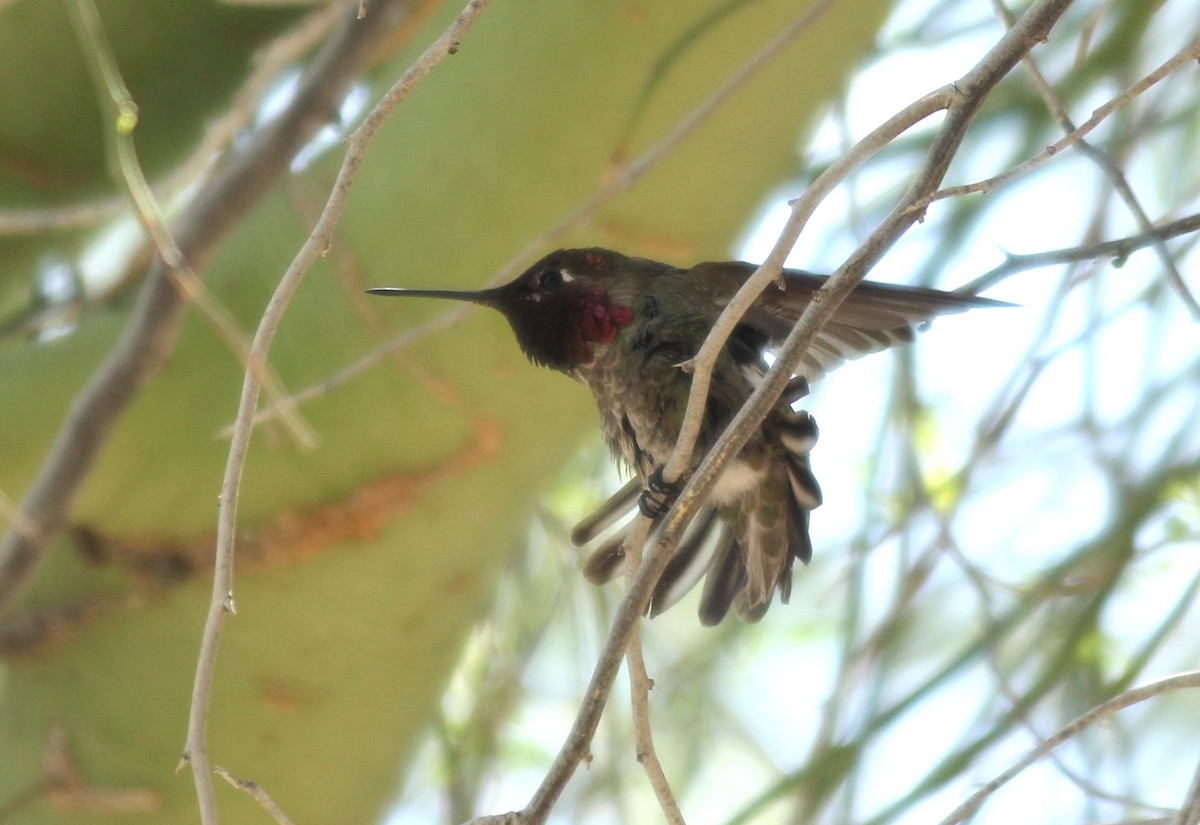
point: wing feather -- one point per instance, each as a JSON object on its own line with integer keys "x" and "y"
{"x": 873, "y": 317}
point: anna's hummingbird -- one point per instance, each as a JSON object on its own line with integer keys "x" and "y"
{"x": 628, "y": 328}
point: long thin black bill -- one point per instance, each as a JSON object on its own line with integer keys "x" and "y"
{"x": 475, "y": 296}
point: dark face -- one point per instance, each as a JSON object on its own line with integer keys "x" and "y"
{"x": 562, "y": 307}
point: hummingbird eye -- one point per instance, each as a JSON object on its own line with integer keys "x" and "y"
{"x": 551, "y": 279}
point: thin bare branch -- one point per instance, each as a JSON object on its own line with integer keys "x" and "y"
{"x": 1189, "y": 811}
{"x": 268, "y": 63}
{"x": 17, "y": 521}
{"x": 60, "y": 218}
{"x": 640, "y": 685}
{"x": 196, "y": 748}
{"x": 1118, "y": 250}
{"x": 126, "y": 170}
{"x": 1187, "y": 54}
{"x": 344, "y": 376}
{"x": 256, "y": 793}
{"x": 1107, "y": 165}
{"x": 578, "y": 741}
{"x": 770, "y": 270}
{"x": 1069, "y": 731}
{"x": 969, "y": 93}
{"x": 158, "y": 312}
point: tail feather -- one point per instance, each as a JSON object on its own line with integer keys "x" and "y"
{"x": 799, "y": 542}
{"x": 607, "y": 561}
{"x": 607, "y": 514}
{"x": 804, "y": 487}
{"x": 689, "y": 563}
{"x": 744, "y": 550}
{"x": 726, "y": 577}
{"x": 797, "y": 432}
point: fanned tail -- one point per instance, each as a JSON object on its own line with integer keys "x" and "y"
{"x": 744, "y": 551}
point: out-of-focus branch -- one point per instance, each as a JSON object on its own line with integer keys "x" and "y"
{"x": 256, "y": 793}
{"x": 221, "y": 604}
{"x": 1109, "y": 166}
{"x": 121, "y": 118}
{"x": 1118, "y": 250}
{"x": 267, "y": 62}
{"x": 1189, "y": 811}
{"x": 154, "y": 323}
{"x": 1070, "y": 730}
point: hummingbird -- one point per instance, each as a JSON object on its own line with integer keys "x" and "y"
{"x": 628, "y": 328}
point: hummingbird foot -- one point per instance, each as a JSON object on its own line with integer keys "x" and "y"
{"x": 658, "y": 496}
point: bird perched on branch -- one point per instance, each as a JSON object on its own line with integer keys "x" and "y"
{"x": 628, "y": 328}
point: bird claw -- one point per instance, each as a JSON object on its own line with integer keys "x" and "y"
{"x": 658, "y": 496}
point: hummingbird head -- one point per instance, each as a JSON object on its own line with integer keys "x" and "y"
{"x": 562, "y": 309}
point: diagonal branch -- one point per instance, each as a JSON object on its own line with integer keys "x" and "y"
{"x": 1118, "y": 250}
{"x": 1096, "y": 714}
{"x": 126, "y": 170}
{"x": 969, "y": 94}
{"x": 1109, "y": 166}
{"x": 158, "y": 312}
{"x": 196, "y": 748}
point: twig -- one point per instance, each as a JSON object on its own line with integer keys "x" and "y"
{"x": 196, "y": 748}
{"x": 1118, "y": 249}
{"x": 58, "y": 218}
{"x": 257, "y": 793}
{"x": 157, "y": 315}
{"x": 125, "y": 169}
{"x": 1020, "y": 712}
{"x": 1096, "y": 714}
{"x": 1181, "y": 58}
{"x": 575, "y": 746}
{"x": 968, "y": 95}
{"x": 1005, "y": 625}
{"x": 268, "y": 62}
{"x": 1119, "y": 181}
{"x": 640, "y": 685}
{"x": 802, "y": 209}
{"x": 1189, "y": 811}
{"x": 17, "y": 521}
{"x": 346, "y": 374}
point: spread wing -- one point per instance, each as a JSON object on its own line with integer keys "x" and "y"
{"x": 874, "y": 317}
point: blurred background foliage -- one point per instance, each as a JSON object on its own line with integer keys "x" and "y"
{"x": 1012, "y": 512}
